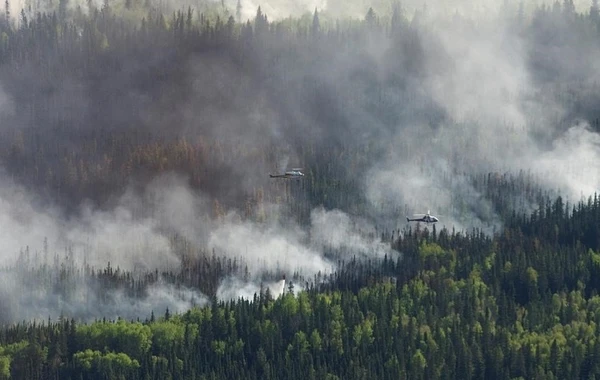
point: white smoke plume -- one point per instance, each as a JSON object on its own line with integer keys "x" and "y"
{"x": 271, "y": 246}
{"x": 134, "y": 236}
{"x": 232, "y": 289}
{"x": 47, "y": 260}
{"x": 279, "y": 247}
{"x": 337, "y": 230}
{"x": 496, "y": 119}
{"x": 572, "y": 163}
{"x": 95, "y": 237}
{"x": 28, "y": 294}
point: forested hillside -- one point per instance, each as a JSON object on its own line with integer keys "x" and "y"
{"x": 142, "y": 237}
{"x": 455, "y": 305}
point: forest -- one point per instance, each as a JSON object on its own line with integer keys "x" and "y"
{"x": 142, "y": 237}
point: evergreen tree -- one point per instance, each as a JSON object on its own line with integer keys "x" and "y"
{"x": 316, "y": 25}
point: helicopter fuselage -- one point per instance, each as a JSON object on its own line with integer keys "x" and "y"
{"x": 425, "y": 219}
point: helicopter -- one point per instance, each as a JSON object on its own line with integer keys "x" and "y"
{"x": 294, "y": 173}
{"x": 425, "y": 218}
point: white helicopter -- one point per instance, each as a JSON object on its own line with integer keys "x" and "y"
{"x": 425, "y": 218}
{"x": 294, "y": 173}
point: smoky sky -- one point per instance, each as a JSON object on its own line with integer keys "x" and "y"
{"x": 53, "y": 263}
{"x": 404, "y": 114}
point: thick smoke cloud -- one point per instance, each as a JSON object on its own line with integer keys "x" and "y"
{"x": 572, "y": 161}
{"x": 444, "y": 96}
{"x": 268, "y": 247}
{"x": 287, "y": 249}
{"x": 48, "y": 258}
{"x": 25, "y": 295}
{"x": 52, "y": 275}
{"x": 95, "y": 237}
{"x": 336, "y": 230}
{"x": 488, "y": 80}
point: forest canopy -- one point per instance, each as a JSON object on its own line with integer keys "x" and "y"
{"x": 142, "y": 236}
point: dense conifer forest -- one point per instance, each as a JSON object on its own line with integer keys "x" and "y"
{"x": 142, "y": 237}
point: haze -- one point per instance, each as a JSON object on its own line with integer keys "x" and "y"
{"x": 150, "y": 149}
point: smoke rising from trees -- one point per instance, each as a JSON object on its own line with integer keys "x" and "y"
{"x": 119, "y": 139}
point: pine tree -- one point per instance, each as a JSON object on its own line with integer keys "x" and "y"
{"x": 316, "y": 25}
{"x": 7, "y": 11}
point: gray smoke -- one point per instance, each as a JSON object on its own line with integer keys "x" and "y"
{"x": 26, "y": 294}
{"x": 463, "y": 92}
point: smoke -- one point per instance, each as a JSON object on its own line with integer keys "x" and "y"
{"x": 27, "y": 293}
{"x": 279, "y": 246}
{"x": 270, "y": 246}
{"x": 95, "y": 237}
{"x": 571, "y": 163}
{"x": 117, "y": 238}
{"x": 335, "y": 230}
{"x": 434, "y": 188}
{"x": 232, "y": 289}
{"x": 496, "y": 118}
{"x": 134, "y": 236}
{"x": 407, "y": 116}
{"x": 49, "y": 259}
{"x": 357, "y": 9}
